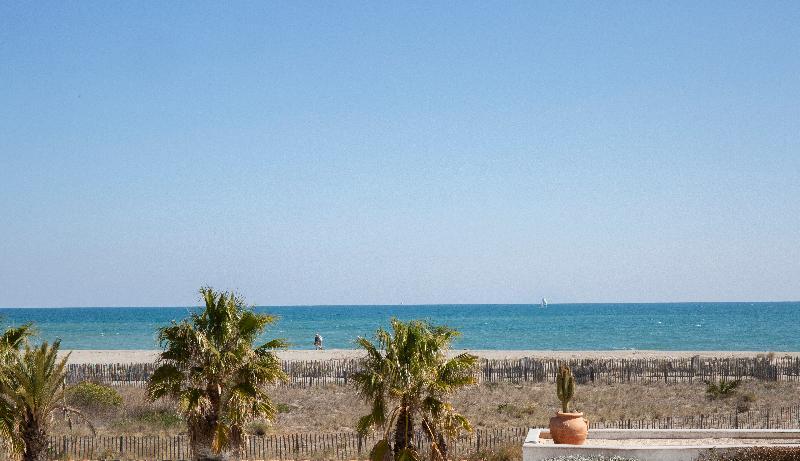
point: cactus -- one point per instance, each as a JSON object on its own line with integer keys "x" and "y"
{"x": 565, "y": 387}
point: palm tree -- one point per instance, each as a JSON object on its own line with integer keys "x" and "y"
{"x": 31, "y": 394}
{"x": 209, "y": 365}
{"x": 11, "y": 340}
{"x": 407, "y": 378}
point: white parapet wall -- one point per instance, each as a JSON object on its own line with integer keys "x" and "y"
{"x": 657, "y": 444}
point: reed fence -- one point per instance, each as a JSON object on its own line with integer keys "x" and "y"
{"x": 348, "y": 445}
{"x": 307, "y": 373}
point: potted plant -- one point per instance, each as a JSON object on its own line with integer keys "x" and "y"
{"x": 567, "y": 427}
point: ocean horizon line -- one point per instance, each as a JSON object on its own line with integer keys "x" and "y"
{"x": 571, "y": 303}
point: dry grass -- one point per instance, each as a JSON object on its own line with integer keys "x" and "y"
{"x": 325, "y": 408}
{"x": 508, "y": 452}
{"x": 520, "y": 405}
{"x": 336, "y": 408}
{"x": 136, "y": 416}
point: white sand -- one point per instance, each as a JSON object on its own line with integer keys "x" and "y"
{"x": 143, "y": 356}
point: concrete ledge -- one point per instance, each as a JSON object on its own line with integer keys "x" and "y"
{"x": 619, "y": 434}
{"x": 533, "y": 436}
{"x": 536, "y": 447}
{"x": 651, "y": 453}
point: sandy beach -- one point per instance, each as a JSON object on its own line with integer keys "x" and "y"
{"x": 143, "y": 356}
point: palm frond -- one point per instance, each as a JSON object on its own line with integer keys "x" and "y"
{"x": 165, "y": 381}
{"x": 14, "y": 337}
{"x": 278, "y": 343}
{"x": 83, "y": 417}
{"x": 408, "y": 454}
{"x": 382, "y": 451}
{"x": 365, "y": 424}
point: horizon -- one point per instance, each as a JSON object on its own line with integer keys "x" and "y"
{"x": 549, "y": 303}
{"x": 325, "y": 154}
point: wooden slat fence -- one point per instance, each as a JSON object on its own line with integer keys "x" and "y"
{"x": 669, "y": 370}
{"x": 307, "y": 373}
{"x": 348, "y": 445}
{"x": 764, "y": 418}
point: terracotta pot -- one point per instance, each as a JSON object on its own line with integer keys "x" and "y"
{"x": 569, "y": 428}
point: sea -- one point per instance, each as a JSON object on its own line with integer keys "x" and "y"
{"x": 665, "y": 326}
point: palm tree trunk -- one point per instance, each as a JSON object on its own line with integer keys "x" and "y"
{"x": 442, "y": 444}
{"x": 201, "y": 438}
{"x": 404, "y": 429}
{"x": 35, "y": 439}
{"x": 237, "y": 442}
{"x": 438, "y": 442}
{"x": 202, "y": 430}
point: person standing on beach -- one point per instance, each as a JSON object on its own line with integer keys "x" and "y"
{"x": 318, "y": 341}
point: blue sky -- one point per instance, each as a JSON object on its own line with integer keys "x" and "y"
{"x": 431, "y": 152}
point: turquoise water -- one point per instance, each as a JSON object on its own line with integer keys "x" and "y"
{"x": 683, "y": 326}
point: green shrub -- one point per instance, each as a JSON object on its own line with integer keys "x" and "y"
{"x": 722, "y": 389}
{"x": 162, "y": 419}
{"x": 744, "y": 401}
{"x": 754, "y": 454}
{"x": 284, "y": 407}
{"x": 262, "y": 426}
{"x": 258, "y": 427}
{"x": 516, "y": 411}
{"x": 92, "y": 396}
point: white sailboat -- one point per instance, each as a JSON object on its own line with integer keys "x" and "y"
{"x": 544, "y": 303}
